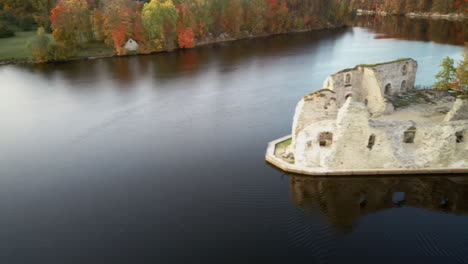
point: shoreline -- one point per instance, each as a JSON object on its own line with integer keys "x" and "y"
{"x": 220, "y": 39}
{"x": 423, "y": 15}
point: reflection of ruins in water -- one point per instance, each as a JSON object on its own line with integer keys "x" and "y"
{"x": 343, "y": 200}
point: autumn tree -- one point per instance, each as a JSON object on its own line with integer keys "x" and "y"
{"x": 277, "y": 14}
{"x": 121, "y": 21}
{"x": 255, "y": 16}
{"x": 186, "y": 38}
{"x": 98, "y": 20}
{"x": 159, "y": 19}
{"x": 71, "y": 22}
{"x": 185, "y": 34}
{"x": 233, "y": 18}
{"x": 460, "y": 83}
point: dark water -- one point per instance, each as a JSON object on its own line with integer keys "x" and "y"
{"x": 160, "y": 159}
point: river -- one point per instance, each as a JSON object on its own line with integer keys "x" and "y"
{"x": 160, "y": 159}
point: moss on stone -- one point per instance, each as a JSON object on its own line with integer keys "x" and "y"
{"x": 284, "y": 144}
{"x": 373, "y": 65}
{"x": 309, "y": 96}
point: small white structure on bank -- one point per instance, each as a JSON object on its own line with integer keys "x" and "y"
{"x": 351, "y": 126}
{"x": 131, "y": 45}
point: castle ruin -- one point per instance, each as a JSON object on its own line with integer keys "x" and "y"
{"x": 352, "y": 126}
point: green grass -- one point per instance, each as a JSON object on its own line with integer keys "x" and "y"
{"x": 15, "y": 48}
{"x": 373, "y": 65}
{"x": 281, "y": 147}
{"x": 284, "y": 144}
{"x": 411, "y": 98}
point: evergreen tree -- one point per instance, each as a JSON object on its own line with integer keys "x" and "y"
{"x": 446, "y": 75}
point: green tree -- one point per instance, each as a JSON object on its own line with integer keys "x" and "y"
{"x": 446, "y": 75}
{"x": 41, "y": 12}
{"x": 39, "y": 46}
{"x": 5, "y": 32}
{"x": 159, "y": 19}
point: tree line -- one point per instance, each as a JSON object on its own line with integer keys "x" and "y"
{"x": 159, "y": 25}
{"x": 406, "y": 6}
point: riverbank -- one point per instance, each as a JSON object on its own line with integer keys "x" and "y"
{"x": 99, "y": 50}
{"x": 426, "y": 15}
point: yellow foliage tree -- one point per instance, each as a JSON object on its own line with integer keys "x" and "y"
{"x": 159, "y": 19}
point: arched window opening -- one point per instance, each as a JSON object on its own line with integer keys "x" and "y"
{"x": 409, "y": 135}
{"x": 404, "y": 70}
{"x": 366, "y": 102}
{"x": 325, "y": 139}
{"x": 348, "y": 79}
{"x": 348, "y": 96}
{"x": 371, "y": 142}
{"x": 459, "y": 137}
{"x": 388, "y": 89}
{"x": 403, "y": 86}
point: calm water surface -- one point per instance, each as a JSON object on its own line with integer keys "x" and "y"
{"x": 160, "y": 159}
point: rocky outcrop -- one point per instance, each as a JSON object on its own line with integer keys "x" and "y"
{"x": 459, "y": 111}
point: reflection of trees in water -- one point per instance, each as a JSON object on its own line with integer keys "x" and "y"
{"x": 167, "y": 66}
{"x": 228, "y": 55}
{"x": 344, "y": 200}
{"x": 439, "y": 31}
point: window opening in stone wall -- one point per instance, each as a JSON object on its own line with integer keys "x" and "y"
{"x": 388, "y": 89}
{"x": 366, "y": 102}
{"x": 459, "y": 136}
{"x": 348, "y": 78}
{"x": 348, "y": 96}
{"x": 409, "y": 135}
{"x": 371, "y": 142}
{"x": 404, "y": 70}
{"x": 403, "y": 86}
{"x": 325, "y": 139}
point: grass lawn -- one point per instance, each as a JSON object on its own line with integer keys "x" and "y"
{"x": 15, "y": 48}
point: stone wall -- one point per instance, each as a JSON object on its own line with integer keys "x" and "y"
{"x": 434, "y": 145}
{"x": 373, "y": 84}
{"x": 315, "y": 107}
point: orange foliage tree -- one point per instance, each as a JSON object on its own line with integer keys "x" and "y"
{"x": 70, "y": 22}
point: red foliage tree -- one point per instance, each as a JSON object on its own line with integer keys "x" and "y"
{"x": 186, "y": 37}
{"x": 119, "y": 36}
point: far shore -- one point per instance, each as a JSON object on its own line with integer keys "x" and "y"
{"x": 425, "y": 15}
{"x": 221, "y": 39}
